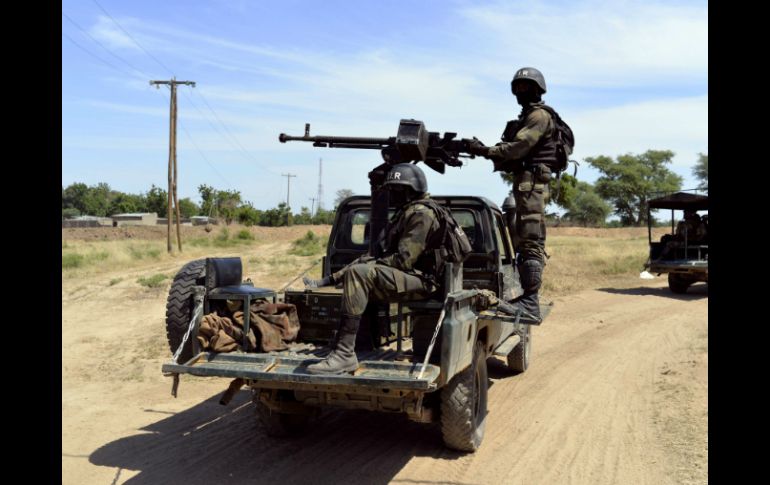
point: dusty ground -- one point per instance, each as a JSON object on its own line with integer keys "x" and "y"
{"x": 617, "y": 393}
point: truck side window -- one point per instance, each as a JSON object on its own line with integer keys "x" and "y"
{"x": 358, "y": 233}
{"x": 501, "y": 236}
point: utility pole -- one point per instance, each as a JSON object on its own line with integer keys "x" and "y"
{"x": 288, "y": 187}
{"x": 172, "y": 165}
{"x": 312, "y": 205}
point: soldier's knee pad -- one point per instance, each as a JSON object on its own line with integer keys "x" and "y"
{"x": 531, "y": 271}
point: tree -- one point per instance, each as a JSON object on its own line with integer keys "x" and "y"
{"x": 277, "y": 216}
{"x": 157, "y": 201}
{"x": 228, "y": 202}
{"x": 587, "y": 207}
{"x": 628, "y": 182}
{"x": 74, "y": 197}
{"x": 324, "y": 217}
{"x": 208, "y": 196}
{"x": 123, "y": 203}
{"x": 69, "y": 213}
{"x": 701, "y": 171}
{"x": 341, "y": 195}
{"x": 304, "y": 216}
{"x": 248, "y": 215}
{"x": 188, "y": 208}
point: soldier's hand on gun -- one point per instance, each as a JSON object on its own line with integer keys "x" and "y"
{"x": 478, "y": 148}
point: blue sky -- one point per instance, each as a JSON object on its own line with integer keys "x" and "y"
{"x": 626, "y": 75}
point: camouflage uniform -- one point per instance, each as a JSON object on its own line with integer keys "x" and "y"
{"x": 530, "y": 186}
{"x": 403, "y": 274}
{"x": 696, "y": 229}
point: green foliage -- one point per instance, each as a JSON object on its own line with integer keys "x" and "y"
{"x": 308, "y": 245}
{"x": 304, "y": 217}
{"x": 100, "y": 200}
{"x": 586, "y": 207}
{"x": 188, "y": 208}
{"x": 154, "y": 281}
{"x": 628, "y": 181}
{"x": 69, "y": 213}
{"x": 71, "y": 260}
{"x": 208, "y": 196}
{"x": 76, "y": 260}
{"x": 324, "y": 217}
{"x": 248, "y": 215}
{"x": 115, "y": 281}
{"x": 228, "y": 202}
{"x": 157, "y": 201}
{"x": 141, "y": 252}
{"x": 125, "y": 203}
{"x": 701, "y": 171}
{"x": 245, "y": 235}
{"x": 277, "y": 216}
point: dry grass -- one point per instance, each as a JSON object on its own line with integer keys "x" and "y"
{"x": 580, "y": 257}
{"x": 591, "y": 258}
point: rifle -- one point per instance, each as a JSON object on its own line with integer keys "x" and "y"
{"x": 412, "y": 143}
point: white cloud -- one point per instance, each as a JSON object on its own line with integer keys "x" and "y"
{"x": 595, "y": 43}
{"x": 680, "y": 125}
{"x": 110, "y": 34}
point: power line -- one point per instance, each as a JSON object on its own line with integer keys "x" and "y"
{"x": 132, "y": 38}
{"x": 233, "y": 136}
{"x": 259, "y": 164}
{"x": 144, "y": 74}
{"x": 97, "y": 57}
{"x": 181, "y": 124}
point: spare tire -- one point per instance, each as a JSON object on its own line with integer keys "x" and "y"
{"x": 180, "y": 306}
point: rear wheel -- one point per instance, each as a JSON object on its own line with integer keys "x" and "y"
{"x": 464, "y": 405}
{"x": 518, "y": 359}
{"x": 180, "y": 306}
{"x": 677, "y": 283}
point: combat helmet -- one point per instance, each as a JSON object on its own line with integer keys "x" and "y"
{"x": 407, "y": 175}
{"x": 531, "y": 74}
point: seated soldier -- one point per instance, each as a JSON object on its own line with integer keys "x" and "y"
{"x": 692, "y": 227}
{"x": 406, "y": 271}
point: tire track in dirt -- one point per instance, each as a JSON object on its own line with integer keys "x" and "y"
{"x": 584, "y": 412}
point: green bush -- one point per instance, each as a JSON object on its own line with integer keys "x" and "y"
{"x": 245, "y": 235}
{"x": 153, "y": 281}
{"x": 308, "y": 245}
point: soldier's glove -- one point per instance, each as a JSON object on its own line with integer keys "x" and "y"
{"x": 311, "y": 283}
{"x": 478, "y": 148}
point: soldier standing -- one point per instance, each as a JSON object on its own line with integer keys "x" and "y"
{"x": 405, "y": 272}
{"x": 528, "y": 151}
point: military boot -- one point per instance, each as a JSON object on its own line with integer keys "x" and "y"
{"x": 342, "y": 358}
{"x": 529, "y": 306}
{"x": 530, "y": 274}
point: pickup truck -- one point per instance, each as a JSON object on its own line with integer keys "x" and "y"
{"x": 425, "y": 358}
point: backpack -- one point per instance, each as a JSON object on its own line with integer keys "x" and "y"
{"x": 563, "y": 138}
{"x": 450, "y": 239}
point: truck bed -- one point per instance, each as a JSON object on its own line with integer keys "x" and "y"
{"x": 378, "y": 369}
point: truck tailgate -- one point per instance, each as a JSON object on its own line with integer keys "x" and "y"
{"x": 376, "y": 373}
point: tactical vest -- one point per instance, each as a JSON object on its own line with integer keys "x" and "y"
{"x": 445, "y": 244}
{"x": 544, "y": 150}
{"x": 426, "y": 262}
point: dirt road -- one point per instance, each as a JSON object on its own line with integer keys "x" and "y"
{"x": 616, "y": 393}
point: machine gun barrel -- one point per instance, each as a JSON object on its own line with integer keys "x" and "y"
{"x": 339, "y": 141}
